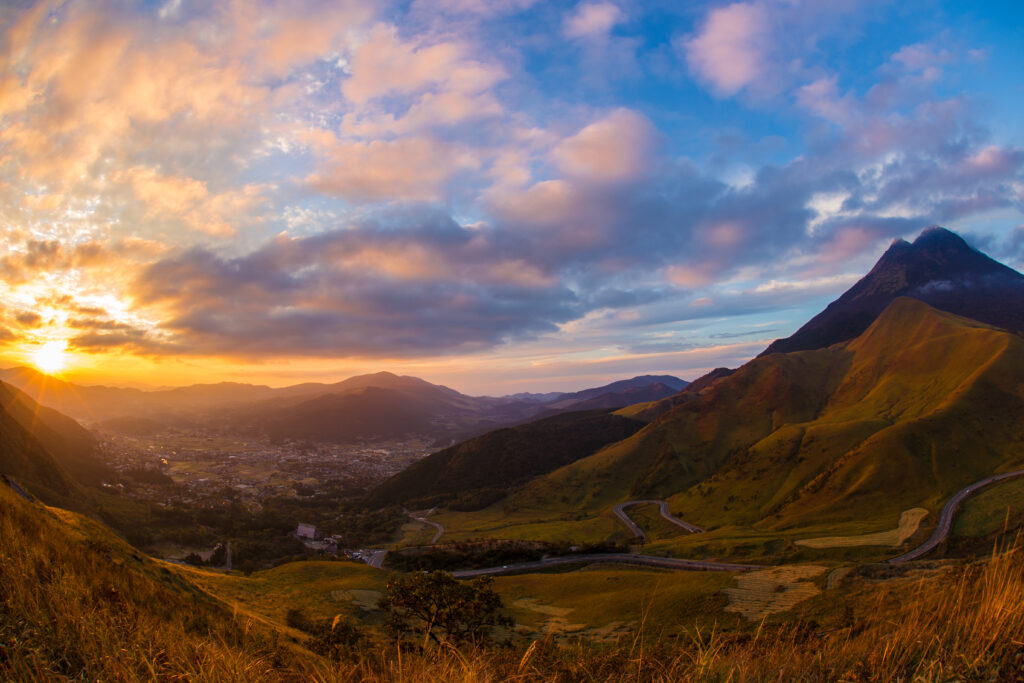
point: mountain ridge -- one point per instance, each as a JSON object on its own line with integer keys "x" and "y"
{"x": 855, "y": 428}
{"x": 938, "y": 268}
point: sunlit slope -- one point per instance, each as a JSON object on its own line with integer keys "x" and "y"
{"x": 24, "y": 457}
{"x": 921, "y": 404}
{"x": 77, "y": 603}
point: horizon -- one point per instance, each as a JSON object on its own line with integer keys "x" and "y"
{"x": 494, "y": 197}
{"x": 148, "y": 387}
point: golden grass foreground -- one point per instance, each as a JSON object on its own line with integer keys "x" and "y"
{"x": 77, "y": 604}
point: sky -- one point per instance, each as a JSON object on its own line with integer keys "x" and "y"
{"x": 496, "y": 195}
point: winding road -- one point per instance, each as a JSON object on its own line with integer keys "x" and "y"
{"x": 940, "y": 534}
{"x": 945, "y": 524}
{"x": 609, "y": 558}
{"x": 440, "y": 529}
{"x": 620, "y": 511}
{"x": 376, "y": 558}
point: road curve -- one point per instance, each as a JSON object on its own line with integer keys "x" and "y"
{"x": 610, "y": 558}
{"x": 946, "y": 517}
{"x": 620, "y": 511}
{"x": 440, "y": 529}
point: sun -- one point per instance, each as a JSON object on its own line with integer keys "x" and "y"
{"x": 51, "y": 357}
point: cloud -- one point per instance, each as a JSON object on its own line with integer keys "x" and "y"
{"x": 408, "y": 169}
{"x": 731, "y": 49}
{"x": 385, "y": 65}
{"x": 616, "y": 148}
{"x": 592, "y": 20}
{"x": 189, "y": 200}
{"x": 823, "y": 99}
{"x": 485, "y": 8}
{"x": 410, "y": 283}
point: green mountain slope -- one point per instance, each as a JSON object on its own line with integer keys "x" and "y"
{"x": 920, "y": 404}
{"x": 474, "y": 473}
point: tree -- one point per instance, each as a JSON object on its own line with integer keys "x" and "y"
{"x": 337, "y": 639}
{"x": 443, "y": 609}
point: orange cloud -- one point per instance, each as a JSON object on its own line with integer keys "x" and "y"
{"x": 384, "y": 65}
{"x": 189, "y": 200}
{"x": 412, "y": 169}
{"x": 616, "y": 148}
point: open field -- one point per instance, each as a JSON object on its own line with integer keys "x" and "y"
{"x": 771, "y": 591}
{"x": 321, "y": 589}
{"x": 910, "y": 520}
{"x": 598, "y": 602}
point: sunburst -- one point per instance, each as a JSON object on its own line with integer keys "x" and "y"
{"x": 51, "y": 357}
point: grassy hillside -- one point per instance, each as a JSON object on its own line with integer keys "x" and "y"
{"x": 70, "y": 444}
{"x": 77, "y": 603}
{"x": 918, "y": 406}
{"x": 30, "y": 463}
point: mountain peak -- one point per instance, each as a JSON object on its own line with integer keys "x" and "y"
{"x": 937, "y": 236}
{"x": 938, "y": 268}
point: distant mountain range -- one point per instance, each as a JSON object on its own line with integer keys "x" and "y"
{"x": 377, "y": 406}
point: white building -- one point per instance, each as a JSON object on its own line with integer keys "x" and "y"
{"x": 306, "y": 531}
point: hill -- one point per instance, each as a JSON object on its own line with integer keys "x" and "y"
{"x": 477, "y": 472}
{"x": 381, "y": 406}
{"x": 368, "y": 412}
{"x": 48, "y": 453}
{"x": 77, "y": 603}
{"x": 920, "y": 404}
{"x": 622, "y": 393}
{"x": 940, "y": 269}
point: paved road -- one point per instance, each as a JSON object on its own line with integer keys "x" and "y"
{"x": 609, "y": 558}
{"x": 938, "y": 536}
{"x": 440, "y": 529}
{"x": 946, "y": 517}
{"x": 376, "y": 559}
{"x": 620, "y": 510}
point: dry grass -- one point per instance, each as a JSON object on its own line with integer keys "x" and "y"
{"x": 84, "y": 607}
{"x": 770, "y": 591}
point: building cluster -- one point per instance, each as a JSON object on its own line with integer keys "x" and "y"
{"x": 253, "y": 468}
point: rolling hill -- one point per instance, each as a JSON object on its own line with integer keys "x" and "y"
{"x": 619, "y": 394}
{"x": 381, "y": 406}
{"x": 73, "y": 446}
{"x": 477, "y": 472}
